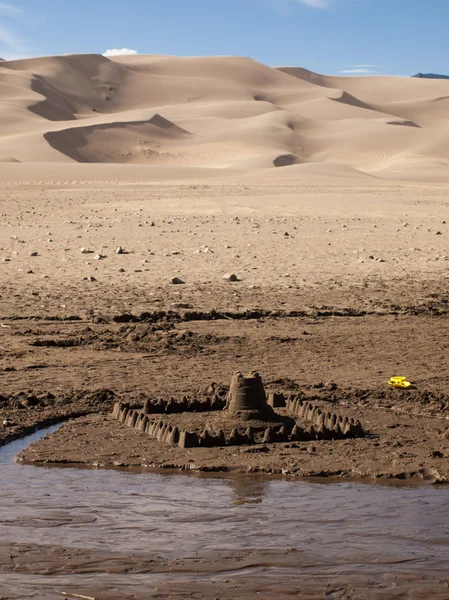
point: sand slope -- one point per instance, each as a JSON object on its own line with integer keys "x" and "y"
{"x": 220, "y": 112}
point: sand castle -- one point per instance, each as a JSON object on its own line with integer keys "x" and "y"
{"x": 246, "y": 416}
{"x": 247, "y": 399}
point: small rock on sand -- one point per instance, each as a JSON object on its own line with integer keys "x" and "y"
{"x": 176, "y": 281}
{"x": 230, "y": 277}
{"x": 180, "y": 305}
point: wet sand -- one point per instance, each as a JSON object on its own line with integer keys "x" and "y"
{"x": 397, "y": 447}
{"x": 73, "y": 369}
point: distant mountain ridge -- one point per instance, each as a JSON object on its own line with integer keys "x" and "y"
{"x": 431, "y": 76}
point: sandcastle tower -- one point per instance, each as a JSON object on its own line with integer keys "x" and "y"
{"x": 247, "y": 399}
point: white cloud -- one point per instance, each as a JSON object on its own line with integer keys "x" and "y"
{"x": 121, "y": 52}
{"x": 315, "y": 3}
{"x": 8, "y": 10}
{"x": 362, "y": 66}
{"x": 358, "y": 71}
{"x": 12, "y": 47}
{"x": 286, "y": 7}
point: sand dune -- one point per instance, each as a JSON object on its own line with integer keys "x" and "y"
{"x": 227, "y": 113}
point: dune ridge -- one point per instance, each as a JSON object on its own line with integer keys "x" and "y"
{"x": 227, "y": 113}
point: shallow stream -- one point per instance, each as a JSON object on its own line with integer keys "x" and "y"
{"x": 110, "y": 534}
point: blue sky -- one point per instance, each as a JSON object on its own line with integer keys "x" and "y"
{"x": 394, "y": 37}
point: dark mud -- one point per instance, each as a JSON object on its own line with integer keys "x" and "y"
{"x": 46, "y": 378}
{"x": 24, "y": 413}
{"x": 401, "y": 447}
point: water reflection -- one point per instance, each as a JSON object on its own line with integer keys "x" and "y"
{"x": 247, "y": 490}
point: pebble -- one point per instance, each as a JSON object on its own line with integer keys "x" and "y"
{"x": 86, "y": 251}
{"x": 34, "y": 254}
{"x": 230, "y": 277}
{"x": 179, "y": 305}
{"x": 121, "y": 270}
{"x": 120, "y": 250}
{"x": 91, "y": 279}
{"x": 176, "y": 281}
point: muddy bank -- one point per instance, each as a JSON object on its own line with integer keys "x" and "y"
{"x": 398, "y": 444}
{"x": 26, "y": 412}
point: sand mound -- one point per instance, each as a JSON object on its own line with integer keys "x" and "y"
{"x": 218, "y": 112}
{"x": 117, "y": 142}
